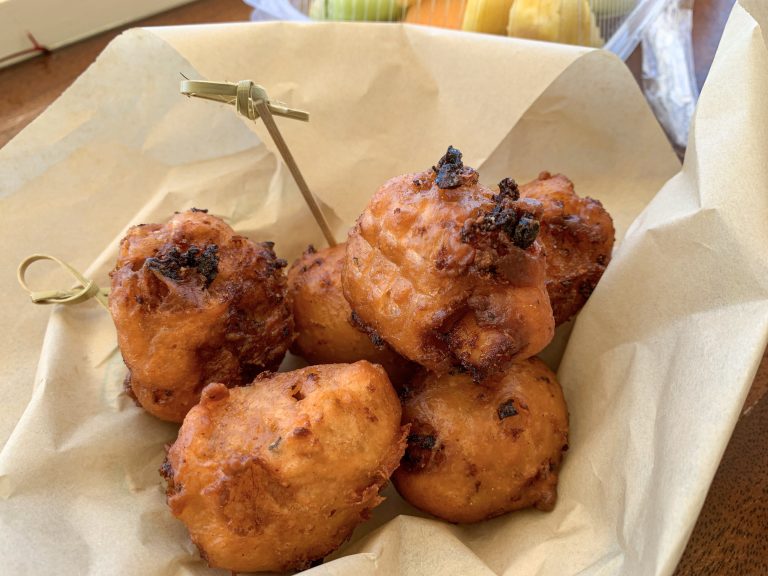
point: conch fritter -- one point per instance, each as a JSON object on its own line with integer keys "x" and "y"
{"x": 476, "y": 451}
{"x": 273, "y": 476}
{"x": 449, "y": 273}
{"x": 325, "y": 324}
{"x": 195, "y": 303}
{"x": 577, "y": 235}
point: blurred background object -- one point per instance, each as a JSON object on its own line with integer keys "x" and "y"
{"x": 668, "y": 79}
{"x": 565, "y": 21}
{"x": 583, "y": 22}
{"x": 278, "y": 9}
{"x": 31, "y": 27}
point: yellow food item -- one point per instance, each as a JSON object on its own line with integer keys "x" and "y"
{"x": 439, "y": 13}
{"x": 565, "y": 21}
{"x": 489, "y": 16}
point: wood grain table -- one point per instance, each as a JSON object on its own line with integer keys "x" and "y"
{"x": 731, "y": 535}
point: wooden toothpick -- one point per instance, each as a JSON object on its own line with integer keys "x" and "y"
{"x": 251, "y": 101}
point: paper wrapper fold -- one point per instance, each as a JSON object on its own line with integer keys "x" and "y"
{"x": 655, "y": 369}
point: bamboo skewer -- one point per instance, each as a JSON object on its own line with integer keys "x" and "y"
{"x": 251, "y": 101}
{"x": 85, "y": 290}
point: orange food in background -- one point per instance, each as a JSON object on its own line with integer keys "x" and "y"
{"x": 439, "y": 13}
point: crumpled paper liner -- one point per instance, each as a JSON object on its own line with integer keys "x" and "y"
{"x": 655, "y": 370}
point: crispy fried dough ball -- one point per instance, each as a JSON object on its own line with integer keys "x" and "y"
{"x": 324, "y": 320}
{"x": 577, "y": 235}
{"x": 449, "y": 274}
{"x": 476, "y": 451}
{"x": 272, "y": 476}
{"x": 195, "y": 303}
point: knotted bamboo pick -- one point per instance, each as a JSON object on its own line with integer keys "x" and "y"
{"x": 85, "y": 290}
{"x": 251, "y": 101}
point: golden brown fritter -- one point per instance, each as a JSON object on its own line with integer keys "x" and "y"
{"x": 278, "y": 474}
{"x": 324, "y": 320}
{"x": 476, "y": 451}
{"x": 195, "y": 303}
{"x": 449, "y": 274}
{"x": 577, "y": 235}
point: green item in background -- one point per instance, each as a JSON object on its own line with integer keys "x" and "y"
{"x": 359, "y": 10}
{"x": 612, "y": 8}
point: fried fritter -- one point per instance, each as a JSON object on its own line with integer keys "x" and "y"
{"x": 325, "y": 328}
{"x": 195, "y": 303}
{"x": 476, "y": 451}
{"x": 449, "y": 274}
{"x": 276, "y": 475}
{"x": 577, "y": 235}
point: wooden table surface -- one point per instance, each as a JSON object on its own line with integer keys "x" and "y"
{"x": 731, "y": 535}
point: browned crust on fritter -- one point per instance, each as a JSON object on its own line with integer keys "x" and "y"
{"x": 328, "y": 332}
{"x": 577, "y": 235}
{"x": 451, "y": 278}
{"x": 476, "y": 451}
{"x": 194, "y": 303}
{"x": 274, "y": 476}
